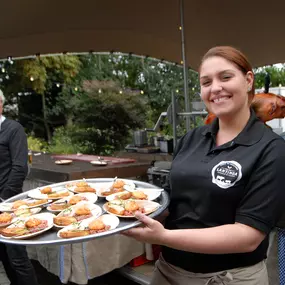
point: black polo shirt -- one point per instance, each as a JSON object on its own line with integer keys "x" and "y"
{"x": 240, "y": 181}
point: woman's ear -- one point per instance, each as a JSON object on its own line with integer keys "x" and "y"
{"x": 249, "y": 80}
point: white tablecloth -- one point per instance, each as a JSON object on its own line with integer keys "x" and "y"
{"x": 79, "y": 262}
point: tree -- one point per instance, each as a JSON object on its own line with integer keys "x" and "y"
{"x": 39, "y": 76}
{"x": 103, "y": 117}
{"x": 277, "y": 76}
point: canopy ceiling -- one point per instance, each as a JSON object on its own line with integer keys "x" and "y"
{"x": 148, "y": 27}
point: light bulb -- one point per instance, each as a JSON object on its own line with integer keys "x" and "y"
{"x": 100, "y": 91}
{"x": 177, "y": 91}
{"x": 32, "y": 78}
{"x": 121, "y": 92}
{"x": 57, "y": 85}
{"x": 142, "y": 92}
{"x": 76, "y": 89}
{"x": 3, "y": 69}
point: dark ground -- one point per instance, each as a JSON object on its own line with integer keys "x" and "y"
{"x": 46, "y": 278}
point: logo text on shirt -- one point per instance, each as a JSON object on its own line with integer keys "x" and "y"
{"x": 226, "y": 173}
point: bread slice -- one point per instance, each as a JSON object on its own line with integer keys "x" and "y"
{"x": 10, "y": 232}
{"x": 74, "y": 233}
{"x": 64, "y": 221}
{"x": 124, "y": 195}
{"x": 116, "y": 209}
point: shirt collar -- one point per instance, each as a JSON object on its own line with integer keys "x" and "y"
{"x": 2, "y": 119}
{"x": 251, "y": 134}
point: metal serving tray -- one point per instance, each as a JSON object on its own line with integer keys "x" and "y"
{"x": 50, "y": 237}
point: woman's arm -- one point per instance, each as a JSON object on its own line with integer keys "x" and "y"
{"x": 234, "y": 238}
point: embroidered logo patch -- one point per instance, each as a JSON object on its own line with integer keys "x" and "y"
{"x": 226, "y": 174}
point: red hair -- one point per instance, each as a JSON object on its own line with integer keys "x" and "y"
{"x": 234, "y": 56}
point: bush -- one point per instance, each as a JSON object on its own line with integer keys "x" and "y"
{"x": 74, "y": 139}
{"x": 36, "y": 144}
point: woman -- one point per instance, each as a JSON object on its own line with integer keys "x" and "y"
{"x": 226, "y": 186}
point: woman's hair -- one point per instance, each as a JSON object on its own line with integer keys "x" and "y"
{"x": 234, "y": 56}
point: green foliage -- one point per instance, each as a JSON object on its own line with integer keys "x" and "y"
{"x": 133, "y": 93}
{"x": 76, "y": 139}
{"x": 110, "y": 111}
{"x": 36, "y": 144}
{"x": 277, "y": 76}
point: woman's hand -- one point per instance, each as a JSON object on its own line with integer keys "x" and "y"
{"x": 152, "y": 232}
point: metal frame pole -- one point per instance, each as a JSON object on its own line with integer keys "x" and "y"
{"x": 174, "y": 119}
{"x": 185, "y": 68}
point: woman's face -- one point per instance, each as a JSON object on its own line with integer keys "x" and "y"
{"x": 224, "y": 87}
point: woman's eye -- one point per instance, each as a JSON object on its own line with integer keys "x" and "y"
{"x": 226, "y": 77}
{"x": 205, "y": 83}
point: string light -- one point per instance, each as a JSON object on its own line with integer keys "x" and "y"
{"x": 180, "y": 28}
{"x": 3, "y": 69}
{"x": 121, "y": 92}
{"x": 57, "y": 85}
{"x": 181, "y": 61}
{"x": 32, "y": 78}
{"x": 142, "y": 92}
{"x": 7, "y": 77}
{"x": 100, "y": 91}
{"x": 75, "y": 89}
{"x": 177, "y": 91}
{"x": 10, "y": 60}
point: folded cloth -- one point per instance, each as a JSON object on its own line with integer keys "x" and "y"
{"x": 149, "y": 251}
{"x": 106, "y": 254}
{"x": 55, "y": 259}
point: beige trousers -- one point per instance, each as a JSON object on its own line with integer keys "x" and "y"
{"x": 167, "y": 274}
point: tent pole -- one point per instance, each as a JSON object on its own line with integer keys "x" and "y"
{"x": 185, "y": 68}
{"x": 174, "y": 119}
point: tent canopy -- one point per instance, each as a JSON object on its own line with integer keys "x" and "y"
{"x": 149, "y": 27}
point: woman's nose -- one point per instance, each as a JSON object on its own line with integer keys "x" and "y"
{"x": 216, "y": 86}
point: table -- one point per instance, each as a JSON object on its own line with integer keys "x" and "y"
{"x": 45, "y": 171}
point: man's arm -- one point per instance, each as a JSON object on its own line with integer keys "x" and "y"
{"x": 18, "y": 148}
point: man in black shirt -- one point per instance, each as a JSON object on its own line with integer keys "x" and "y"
{"x": 13, "y": 170}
